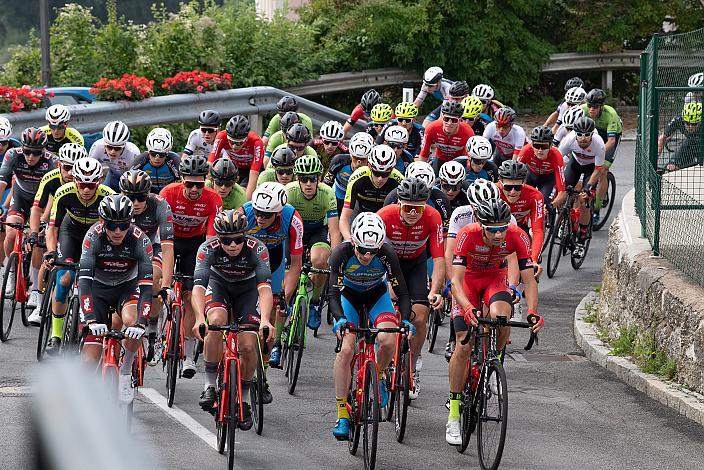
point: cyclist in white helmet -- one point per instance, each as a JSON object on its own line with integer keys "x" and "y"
{"x": 57, "y": 130}
{"x": 160, "y": 162}
{"x": 396, "y": 137}
{"x": 6, "y": 140}
{"x": 330, "y": 143}
{"x": 477, "y": 161}
{"x": 434, "y": 84}
{"x": 485, "y": 93}
{"x": 115, "y": 152}
{"x": 343, "y": 165}
{"x": 695, "y": 81}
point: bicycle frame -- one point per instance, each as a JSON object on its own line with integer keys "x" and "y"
{"x": 177, "y": 304}
{"x": 230, "y": 358}
{"x": 20, "y": 282}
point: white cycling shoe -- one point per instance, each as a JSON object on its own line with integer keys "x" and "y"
{"x": 125, "y": 390}
{"x": 452, "y": 433}
{"x": 35, "y": 318}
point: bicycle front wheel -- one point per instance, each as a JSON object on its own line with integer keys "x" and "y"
{"x": 298, "y": 334}
{"x": 560, "y": 233}
{"x": 370, "y": 415}
{"x": 221, "y": 425}
{"x": 609, "y": 199}
{"x": 403, "y": 385}
{"x": 69, "y": 343}
{"x": 493, "y": 416}
{"x": 173, "y": 355}
{"x": 8, "y": 302}
{"x": 256, "y": 390}
{"x": 233, "y": 413}
{"x": 435, "y": 320}
{"x": 45, "y": 324}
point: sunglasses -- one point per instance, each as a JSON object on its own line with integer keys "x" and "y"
{"x": 208, "y": 130}
{"x": 121, "y": 226}
{"x": 157, "y": 154}
{"x": 496, "y": 229}
{"x": 332, "y": 143}
{"x": 404, "y": 120}
{"x": 227, "y": 241}
{"x": 297, "y": 148}
{"x": 513, "y": 187}
{"x": 139, "y": 197}
{"x": 412, "y": 209}
{"x": 194, "y": 184}
{"x": 284, "y": 171}
{"x": 237, "y": 142}
{"x": 221, "y": 182}
{"x": 584, "y": 134}
{"x": 451, "y": 119}
{"x": 4, "y": 142}
{"x": 478, "y": 162}
{"x": 67, "y": 168}
{"x": 381, "y": 174}
{"x": 378, "y": 124}
{"x": 264, "y": 215}
{"x": 63, "y": 125}
{"x": 86, "y": 185}
{"x": 366, "y": 251}
{"x": 32, "y": 151}
{"x": 116, "y": 148}
{"x": 541, "y": 146}
{"x": 395, "y": 145}
{"x": 593, "y": 106}
{"x": 451, "y": 187}
{"x": 308, "y": 178}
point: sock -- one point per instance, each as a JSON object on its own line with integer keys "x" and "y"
{"x": 315, "y": 297}
{"x": 151, "y": 326}
{"x": 379, "y": 371}
{"x": 279, "y": 328}
{"x": 57, "y": 325}
{"x": 245, "y": 391}
{"x": 211, "y": 374}
{"x": 34, "y": 277}
{"x": 454, "y": 406}
{"x": 40, "y": 297}
{"x": 127, "y": 360}
{"x": 598, "y": 202}
{"x": 342, "y": 412}
{"x": 414, "y": 361}
{"x": 189, "y": 344}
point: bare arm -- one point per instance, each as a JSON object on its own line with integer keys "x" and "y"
{"x": 334, "y": 230}
{"x": 345, "y": 227}
{"x": 292, "y": 275}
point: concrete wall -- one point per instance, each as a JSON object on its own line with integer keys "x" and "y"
{"x": 653, "y": 295}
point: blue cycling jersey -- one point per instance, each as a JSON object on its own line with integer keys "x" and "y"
{"x": 276, "y": 236}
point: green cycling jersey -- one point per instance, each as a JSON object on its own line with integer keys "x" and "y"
{"x": 608, "y": 121}
{"x": 315, "y": 212}
{"x": 234, "y": 200}
{"x": 275, "y": 124}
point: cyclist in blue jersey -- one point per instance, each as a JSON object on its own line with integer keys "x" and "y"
{"x": 159, "y": 162}
{"x": 433, "y": 84}
{"x": 342, "y": 166}
{"x": 477, "y": 161}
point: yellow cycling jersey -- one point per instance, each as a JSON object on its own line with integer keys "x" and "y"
{"x": 82, "y": 213}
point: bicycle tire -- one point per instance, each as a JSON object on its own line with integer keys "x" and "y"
{"x": 468, "y": 406}
{"x": 550, "y": 217}
{"x": 220, "y": 426}
{"x": 233, "y": 414}
{"x": 69, "y": 341}
{"x": 45, "y": 323}
{"x": 256, "y": 391}
{"x": 492, "y": 370}
{"x": 23, "y": 305}
{"x": 436, "y": 319}
{"x": 355, "y": 424}
{"x": 174, "y": 356}
{"x": 370, "y": 415}
{"x": 609, "y": 199}
{"x": 7, "y": 316}
{"x": 557, "y": 242}
{"x": 137, "y": 375}
{"x": 299, "y": 344}
{"x": 403, "y": 399}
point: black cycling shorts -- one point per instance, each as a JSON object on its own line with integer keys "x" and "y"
{"x": 70, "y": 243}
{"x": 187, "y": 249}
{"x": 415, "y": 273}
{"x": 106, "y": 297}
{"x": 543, "y": 183}
{"x": 241, "y": 298}
{"x": 21, "y": 204}
{"x": 315, "y": 236}
{"x": 574, "y": 169}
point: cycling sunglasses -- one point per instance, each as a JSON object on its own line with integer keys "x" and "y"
{"x": 194, "y": 184}
{"x": 378, "y": 124}
{"x": 451, "y": 119}
{"x": 478, "y": 162}
{"x": 333, "y": 143}
{"x": 411, "y": 209}
{"x": 366, "y": 251}
{"x": 264, "y": 215}
{"x": 158, "y": 154}
{"x": 541, "y": 146}
{"x": 55, "y": 127}
{"x": 121, "y": 226}
{"x": 208, "y": 130}
{"x": 308, "y": 178}
{"x": 227, "y": 241}
{"x": 496, "y": 229}
{"x": 584, "y": 134}
{"x": 226, "y": 183}
{"x": 451, "y": 187}
{"x": 404, "y": 120}
{"x": 115, "y": 148}
{"x": 297, "y": 148}
{"x": 284, "y": 171}
{"x": 395, "y": 145}
{"x": 32, "y": 151}
{"x": 513, "y": 187}
{"x": 67, "y": 168}
{"x": 236, "y": 142}
{"x": 138, "y": 197}
{"x": 86, "y": 185}
{"x": 381, "y": 174}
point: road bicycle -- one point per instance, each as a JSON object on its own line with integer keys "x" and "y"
{"x": 399, "y": 383}
{"x": 436, "y": 318}
{"x": 173, "y": 334}
{"x": 17, "y": 293}
{"x": 70, "y": 337}
{"x": 609, "y": 199}
{"x": 564, "y": 239}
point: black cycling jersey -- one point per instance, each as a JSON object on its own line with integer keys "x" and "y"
{"x": 156, "y": 216}
{"x": 26, "y": 177}
{"x": 251, "y": 262}
{"x": 363, "y": 196}
{"x": 50, "y": 183}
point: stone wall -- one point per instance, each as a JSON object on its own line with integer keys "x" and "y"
{"x": 654, "y": 296}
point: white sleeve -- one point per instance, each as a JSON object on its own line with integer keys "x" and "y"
{"x": 599, "y": 149}
{"x": 519, "y": 138}
{"x": 490, "y": 130}
{"x": 192, "y": 140}
{"x": 566, "y": 144}
{"x": 560, "y": 134}
{"x": 97, "y": 150}
{"x": 460, "y": 217}
{"x": 423, "y": 93}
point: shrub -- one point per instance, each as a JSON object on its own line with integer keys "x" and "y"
{"x": 197, "y": 82}
{"x": 21, "y": 99}
{"x": 128, "y": 87}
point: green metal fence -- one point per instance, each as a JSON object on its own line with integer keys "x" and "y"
{"x": 669, "y": 164}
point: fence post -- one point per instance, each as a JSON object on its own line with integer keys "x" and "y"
{"x": 653, "y": 147}
{"x": 643, "y": 132}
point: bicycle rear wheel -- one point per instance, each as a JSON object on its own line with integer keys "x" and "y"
{"x": 577, "y": 261}
{"x": 298, "y": 332}
{"x": 69, "y": 342}
{"x": 7, "y": 303}
{"x": 25, "y": 273}
{"x": 233, "y": 414}
{"x": 550, "y": 216}
{"x": 45, "y": 324}
{"x": 493, "y": 416}
{"x": 403, "y": 385}
{"x": 558, "y": 241}
{"x": 256, "y": 390}
{"x": 370, "y": 415}
{"x": 221, "y": 426}
{"x": 173, "y": 356}
{"x": 609, "y": 199}
{"x": 355, "y": 420}
{"x": 435, "y": 320}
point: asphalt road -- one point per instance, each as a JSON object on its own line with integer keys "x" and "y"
{"x": 565, "y": 412}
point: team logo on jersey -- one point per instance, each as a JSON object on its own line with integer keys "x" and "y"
{"x": 201, "y": 256}
{"x": 482, "y": 248}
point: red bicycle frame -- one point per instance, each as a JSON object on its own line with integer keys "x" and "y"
{"x": 398, "y": 365}
{"x": 177, "y": 304}
{"x": 230, "y": 358}
{"x": 21, "y": 295}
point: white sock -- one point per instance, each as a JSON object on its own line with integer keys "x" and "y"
{"x": 190, "y": 347}
{"x": 34, "y": 277}
{"x": 127, "y": 360}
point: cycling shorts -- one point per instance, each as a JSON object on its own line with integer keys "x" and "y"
{"x": 277, "y": 277}
{"x": 489, "y": 288}
{"x": 610, "y": 154}
{"x": 415, "y": 272}
{"x": 21, "y": 203}
{"x": 106, "y": 297}
{"x": 543, "y": 183}
{"x": 70, "y": 244}
{"x": 317, "y": 237}
{"x": 574, "y": 169}
{"x": 187, "y": 249}
{"x": 241, "y": 298}
{"x": 376, "y": 302}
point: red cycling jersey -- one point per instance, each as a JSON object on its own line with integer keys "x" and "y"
{"x": 479, "y": 258}
{"x": 529, "y": 207}
{"x": 409, "y": 241}
{"x": 249, "y": 156}
{"x": 447, "y": 147}
{"x": 552, "y": 164}
{"x": 192, "y": 218}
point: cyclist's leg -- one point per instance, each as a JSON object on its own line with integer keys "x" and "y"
{"x": 498, "y": 297}
{"x": 319, "y": 255}
{"x": 243, "y": 297}
{"x": 156, "y": 301}
{"x": 383, "y": 315}
{"x": 127, "y": 308}
{"x": 187, "y": 249}
{"x": 216, "y": 313}
{"x": 603, "y": 185}
{"x": 103, "y": 298}
{"x": 343, "y": 359}
{"x": 70, "y": 251}
{"x": 415, "y": 272}
{"x": 585, "y": 211}
{"x": 458, "y": 364}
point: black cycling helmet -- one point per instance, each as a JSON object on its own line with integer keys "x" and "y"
{"x": 452, "y": 108}
{"x": 369, "y": 99}
{"x": 573, "y": 82}
{"x": 413, "y": 190}
{"x": 298, "y": 133}
{"x": 116, "y": 208}
{"x": 33, "y": 137}
{"x": 237, "y": 127}
{"x": 584, "y": 125}
{"x": 513, "y": 170}
{"x": 505, "y": 115}
{"x": 541, "y": 134}
{"x": 288, "y": 120}
{"x": 224, "y": 169}
{"x": 493, "y": 211}
{"x": 193, "y": 165}
{"x": 282, "y": 157}
{"x": 596, "y": 97}
{"x": 135, "y": 182}
{"x": 459, "y": 89}
{"x": 209, "y": 118}
{"x": 230, "y": 221}
{"x": 286, "y": 104}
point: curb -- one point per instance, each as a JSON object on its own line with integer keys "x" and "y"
{"x": 687, "y": 403}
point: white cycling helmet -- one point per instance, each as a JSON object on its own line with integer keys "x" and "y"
{"x": 432, "y": 76}
{"x": 479, "y": 148}
{"x": 483, "y": 92}
{"x": 270, "y": 197}
{"x": 382, "y": 159}
{"x": 116, "y": 133}
{"x": 361, "y": 144}
{"x": 452, "y": 173}
{"x": 56, "y": 114}
{"x": 396, "y": 134}
{"x": 575, "y": 95}
{"x": 571, "y": 116}
{"x": 332, "y": 130}
{"x": 421, "y": 170}
{"x": 696, "y": 80}
{"x": 159, "y": 140}
{"x": 482, "y": 190}
{"x": 70, "y": 152}
{"x": 87, "y": 170}
{"x": 5, "y": 129}
{"x": 368, "y": 231}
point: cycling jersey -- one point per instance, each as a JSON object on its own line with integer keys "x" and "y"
{"x": 288, "y": 227}
{"x": 127, "y": 159}
{"x": 53, "y": 145}
{"x": 593, "y": 154}
{"x": 677, "y": 125}
{"x": 441, "y": 93}
{"x": 363, "y": 196}
{"x": 26, "y": 178}
{"x": 195, "y": 145}
{"x": 192, "y": 218}
{"x": 48, "y": 186}
{"x": 251, "y": 262}
{"x": 409, "y": 241}
{"x": 316, "y": 211}
{"x": 268, "y": 176}
{"x": 81, "y": 214}
{"x": 246, "y": 158}
{"x": 275, "y": 124}
{"x": 325, "y": 158}
{"x": 339, "y": 174}
{"x": 608, "y": 124}
{"x": 446, "y": 147}
{"x": 562, "y": 131}
{"x": 13, "y": 143}
{"x": 415, "y": 137}
{"x": 561, "y": 109}
{"x": 162, "y": 175}
{"x": 489, "y": 171}
{"x": 437, "y": 200}
{"x": 553, "y": 164}
{"x": 156, "y": 220}
{"x": 529, "y": 208}
{"x": 459, "y": 200}
{"x": 479, "y": 258}
{"x": 509, "y": 145}
{"x": 278, "y": 141}
{"x": 463, "y": 216}
{"x": 236, "y": 198}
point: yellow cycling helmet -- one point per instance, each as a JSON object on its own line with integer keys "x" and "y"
{"x": 692, "y": 113}
{"x": 406, "y": 109}
{"x": 381, "y": 112}
{"x": 472, "y": 107}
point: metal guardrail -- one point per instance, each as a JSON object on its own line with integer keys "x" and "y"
{"x": 340, "y": 82}
{"x": 579, "y": 61}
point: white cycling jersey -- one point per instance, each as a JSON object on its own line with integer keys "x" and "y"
{"x": 462, "y": 216}
{"x": 562, "y": 131}
{"x": 196, "y": 145}
{"x": 512, "y": 143}
{"x": 595, "y": 153}
{"x": 120, "y": 164}
{"x": 443, "y": 91}
{"x": 561, "y": 109}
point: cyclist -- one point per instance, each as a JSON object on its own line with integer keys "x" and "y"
{"x": 281, "y": 168}
{"x": 448, "y": 134}
{"x": 285, "y": 105}
{"x": 370, "y": 98}
{"x": 279, "y": 226}
{"x": 79, "y": 200}
{"x": 411, "y": 226}
{"x": 342, "y": 166}
{"x": 297, "y": 139}
{"x": 57, "y": 130}
{"x": 571, "y": 83}
{"x": 200, "y": 141}
{"x": 433, "y": 84}
{"x": 360, "y": 273}
{"x": 316, "y": 204}
{"x": 115, "y": 152}
{"x": 688, "y": 123}
{"x": 382, "y": 115}
{"x": 330, "y": 142}
{"x": 506, "y": 137}
{"x": 279, "y": 137}
{"x": 437, "y": 199}
{"x": 473, "y": 114}
{"x": 546, "y": 167}
{"x": 406, "y": 114}
{"x": 694, "y": 81}
{"x": 486, "y": 94}
{"x": 568, "y": 120}
{"x": 574, "y": 97}
{"x": 43, "y": 200}
{"x": 458, "y": 91}
{"x": 369, "y": 185}
{"x": 232, "y": 285}
{"x": 6, "y": 140}
{"x": 239, "y": 143}
{"x": 396, "y": 137}
{"x": 453, "y": 183}
{"x": 610, "y": 127}
{"x": 115, "y": 271}
{"x": 479, "y": 164}
{"x": 159, "y": 162}
{"x": 586, "y": 154}
{"x": 194, "y": 208}
{"x": 478, "y": 276}
{"x": 223, "y": 179}
{"x": 153, "y": 216}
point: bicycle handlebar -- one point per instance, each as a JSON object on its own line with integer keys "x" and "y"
{"x": 308, "y": 268}
{"x": 65, "y": 264}
{"x": 372, "y": 331}
{"x": 16, "y": 225}
{"x": 503, "y": 321}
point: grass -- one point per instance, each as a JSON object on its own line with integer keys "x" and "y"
{"x": 590, "y": 317}
{"x": 643, "y": 350}
{"x": 624, "y": 344}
